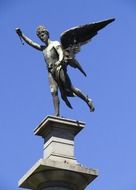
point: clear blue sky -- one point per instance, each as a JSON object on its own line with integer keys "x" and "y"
{"x": 108, "y": 142}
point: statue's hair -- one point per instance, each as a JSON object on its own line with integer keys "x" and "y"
{"x": 40, "y": 29}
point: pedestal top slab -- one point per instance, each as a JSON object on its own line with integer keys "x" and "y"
{"x": 58, "y": 122}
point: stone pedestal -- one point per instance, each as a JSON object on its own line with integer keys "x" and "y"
{"x": 58, "y": 134}
{"x": 58, "y": 170}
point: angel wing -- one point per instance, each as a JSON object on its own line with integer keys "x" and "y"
{"x": 74, "y": 38}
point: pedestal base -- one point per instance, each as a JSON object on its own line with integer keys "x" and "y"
{"x": 52, "y": 175}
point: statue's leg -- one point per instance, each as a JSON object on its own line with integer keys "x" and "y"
{"x": 68, "y": 85}
{"x": 54, "y": 92}
{"x": 56, "y": 102}
{"x": 64, "y": 85}
{"x": 89, "y": 102}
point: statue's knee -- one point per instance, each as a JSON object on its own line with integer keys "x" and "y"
{"x": 54, "y": 92}
{"x": 77, "y": 90}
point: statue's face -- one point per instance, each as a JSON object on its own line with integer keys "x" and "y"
{"x": 43, "y": 36}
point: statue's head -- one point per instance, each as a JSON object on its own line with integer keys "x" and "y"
{"x": 42, "y": 33}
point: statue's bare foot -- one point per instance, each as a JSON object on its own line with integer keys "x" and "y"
{"x": 91, "y": 106}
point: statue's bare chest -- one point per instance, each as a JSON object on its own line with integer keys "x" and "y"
{"x": 50, "y": 53}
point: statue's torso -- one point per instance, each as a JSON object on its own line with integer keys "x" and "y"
{"x": 50, "y": 54}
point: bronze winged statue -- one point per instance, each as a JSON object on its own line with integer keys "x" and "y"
{"x": 58, "y": 55}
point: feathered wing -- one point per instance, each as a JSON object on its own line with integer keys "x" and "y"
{"x": 74, "y": 38}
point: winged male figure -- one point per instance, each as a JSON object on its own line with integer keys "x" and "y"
{"x": 58, "y": 55}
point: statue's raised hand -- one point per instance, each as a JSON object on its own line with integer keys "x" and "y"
{"x": 19, "y": 32}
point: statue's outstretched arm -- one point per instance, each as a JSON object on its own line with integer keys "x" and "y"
{"x": 28, "y": 40}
